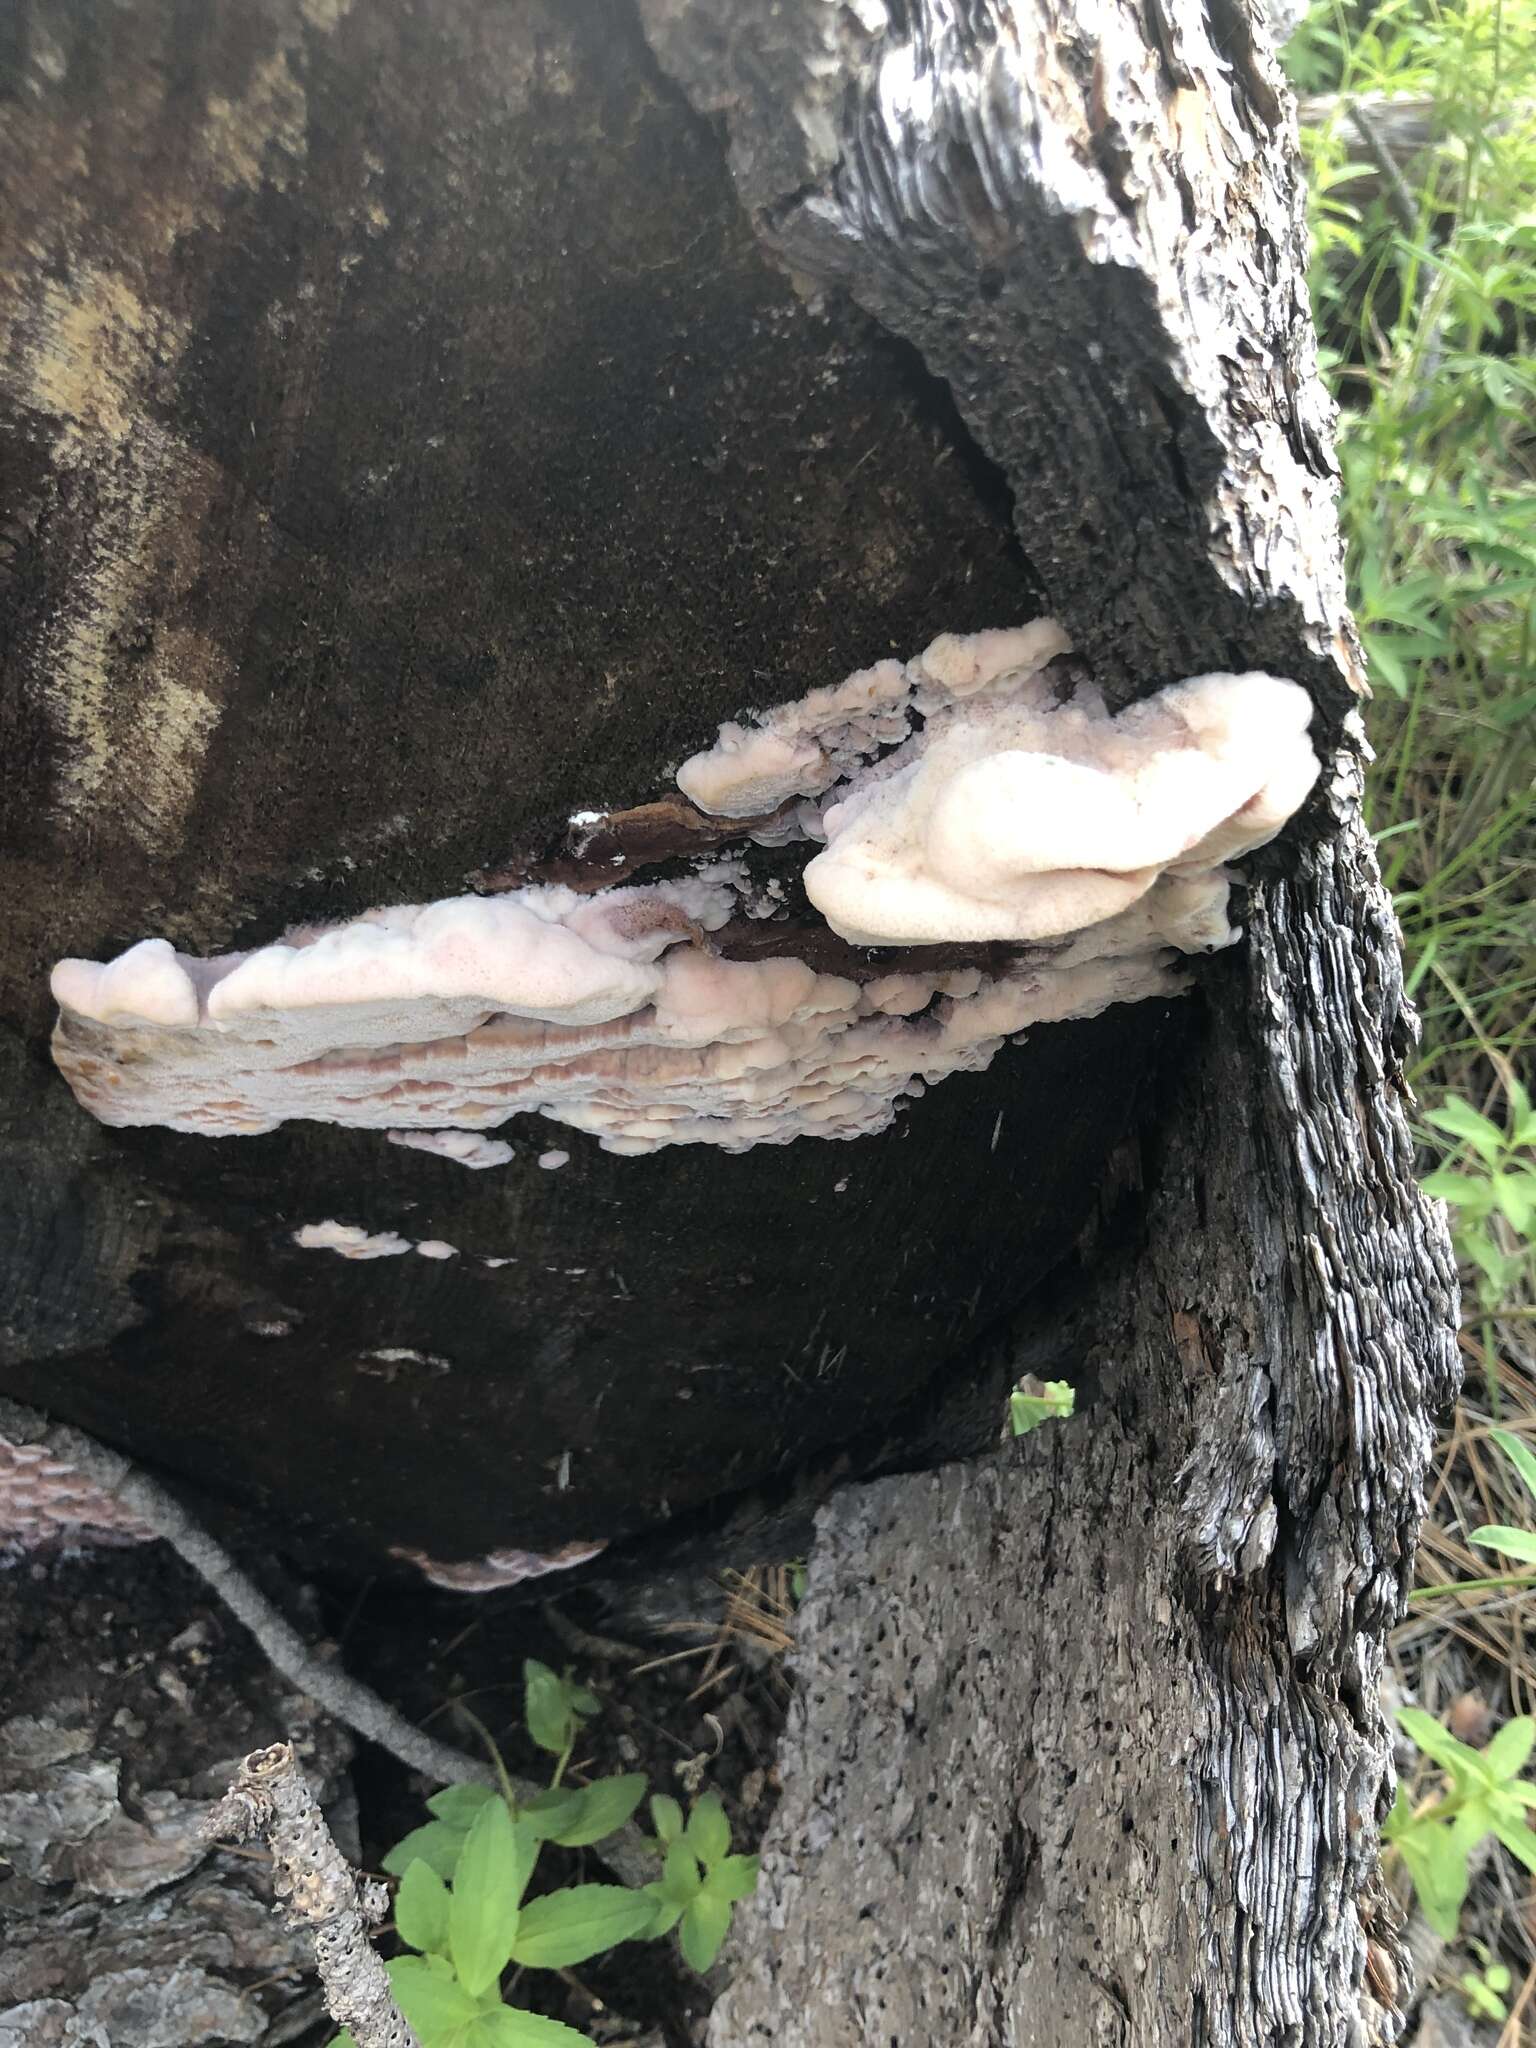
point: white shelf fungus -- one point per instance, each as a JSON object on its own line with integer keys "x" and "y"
{"x": 960, "y": 801}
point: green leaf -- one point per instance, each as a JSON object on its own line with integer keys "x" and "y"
{"x": 1515, "y": 1194}
{"x": 458, "y": 1804}
{"x": 1517, "y": 1838}
{"x": 733, "y": 1878}
{"x": 546, "y": 1709}
{"x": 342, "y": 2040}
{"x": 437, "y": 1845}
{"x": 581, "y": 1700}
{"x": 1400, "y": 1820}
{"x": 1441, "y": 1875}
{"x": 421, "y": 1908}
{"x": 668, "y": 1910}
{"x": 1475, "y": 1196}
{"x": 604, "y": 1807}
{"x": 1461, "y": 1120}
{"x": 680, "y": 1878}
{"x": 567, "y": 1927}
{"x": 706, "y": 1923}
{"x": 510, "y": 2027}
{"x": 1426, "y": 1733}
{"x": 435, "y": 2005}
{"x": 1519, "y": 1455}
{"x": 1041, "y": 1401}
{"x": 549, "y": 1812}
{"x": 666, "y": 1817}
{"x": 708, "y": 1833}
{"x": 482, "y": 1919}
{"x": 1383, "y": 663}
{"x": 1481, "y": 1994}
{"x": 1512, "y": 1542}
{"x": 1505, "y": 1755}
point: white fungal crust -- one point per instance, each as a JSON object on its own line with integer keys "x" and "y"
{"x": 962, "y": 801}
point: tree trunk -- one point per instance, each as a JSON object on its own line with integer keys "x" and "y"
{"x": 428, "y": 420}
{"x": 1087, "y": 1746}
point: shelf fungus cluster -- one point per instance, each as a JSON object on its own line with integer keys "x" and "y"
{"x": 974, "y": 797}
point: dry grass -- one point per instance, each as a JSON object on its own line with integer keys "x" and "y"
{"x": 754, "y": 1628}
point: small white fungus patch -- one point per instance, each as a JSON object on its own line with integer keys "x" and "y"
{"x": 465, "y": 1147}
{"x": 350, "y": 1240}
{"x": 550, "y": 1161}
{"x": 403, "y": 1354}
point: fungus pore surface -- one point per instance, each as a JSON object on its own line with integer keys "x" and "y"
{"x": 973, "y": 795}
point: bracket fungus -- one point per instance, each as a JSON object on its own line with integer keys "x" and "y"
{"x": 972, "y": 795}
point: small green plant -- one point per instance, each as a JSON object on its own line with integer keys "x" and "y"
{"x": 1487, "y": 1796}
{"x": 1493, "y": 1177}
{"x": 1035, "y": 1401}
{"x": 1484, "y": 1989}
{"x": 462, "y": 1903}
{"x": 1499, "y": 1536}
{"x": 700, "y": 1880}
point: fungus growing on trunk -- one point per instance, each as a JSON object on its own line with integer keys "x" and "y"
{"x": 500, "y": 1567}
{"x": 965, "y": 797}
{"x": 46, "y": 1501}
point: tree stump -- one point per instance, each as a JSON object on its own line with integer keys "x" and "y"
{"x": 425, "y": 422}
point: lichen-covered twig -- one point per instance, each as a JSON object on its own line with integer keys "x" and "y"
{"x": 269, "y": 1798}
{"x": 327, "y": 1684}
